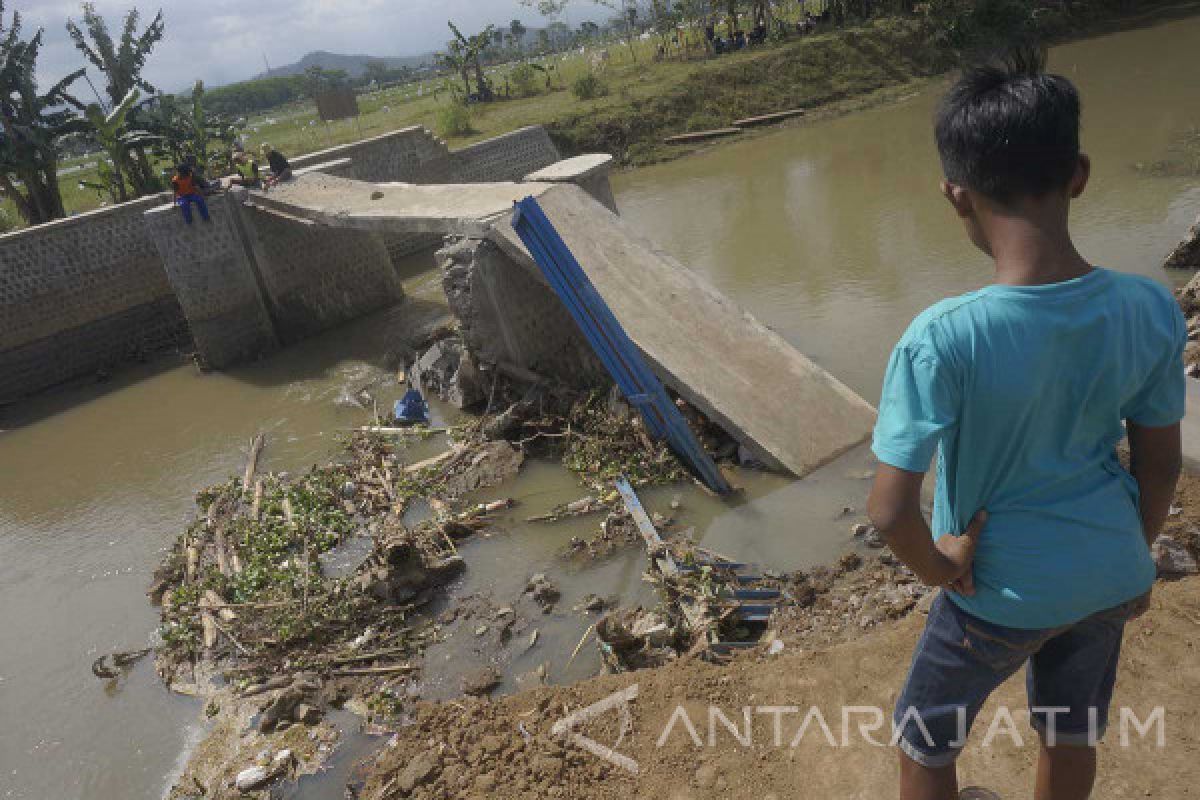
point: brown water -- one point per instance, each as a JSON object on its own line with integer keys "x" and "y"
{"x": 831, "y": 233}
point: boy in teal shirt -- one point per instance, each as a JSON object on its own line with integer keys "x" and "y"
{"x": 1023, "y": 390}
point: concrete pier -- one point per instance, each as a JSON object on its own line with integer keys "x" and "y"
{"x": 217, "y": 285}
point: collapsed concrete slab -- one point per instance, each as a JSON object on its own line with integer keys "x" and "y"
{"x": 508, "y": 316}
{"x": 395, "y": 207}
{"x": 789, "y": 412}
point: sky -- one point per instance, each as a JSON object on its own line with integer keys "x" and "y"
{"x": 222, "y": 41}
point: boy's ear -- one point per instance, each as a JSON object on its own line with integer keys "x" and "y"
{"x": 1083, "y": 171}
{"x": 959, "y": 198}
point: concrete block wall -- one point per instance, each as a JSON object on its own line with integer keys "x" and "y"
{"x": 80, "y": 295}
{"x": 509, "y": 316}
{"x": 210, "y": 268}
{"x": 505, "y": 158}
{"x": 409, "y": 155}
{"x": 315, "y": 278}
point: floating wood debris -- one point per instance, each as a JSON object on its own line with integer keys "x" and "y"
{"x": 767, "y": 119}
{"x": 701, "y": 136}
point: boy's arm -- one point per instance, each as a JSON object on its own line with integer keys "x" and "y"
{"x": 895, "y": 509}
{"x": 1155, "y": 460}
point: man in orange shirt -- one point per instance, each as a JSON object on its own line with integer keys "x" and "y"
{"x": 187, "y": 192}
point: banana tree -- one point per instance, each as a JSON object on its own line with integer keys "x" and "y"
{"x": 472, "y": 49}
{"x": 111, "y": 133}
{"x": 122, "y": 62}
{"x": 455, "y": 60}
{"x": 31, "y": 123}
{"x": 188, "y": 128}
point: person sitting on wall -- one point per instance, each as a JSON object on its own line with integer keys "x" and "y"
{"x": 247, "y": 173}
{"x": 281, "y": 169}
{"x": 187, "y": 192}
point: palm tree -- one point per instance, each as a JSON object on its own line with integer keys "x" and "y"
{"x": 122, "y": 65}
{"x": 32, "y": 123}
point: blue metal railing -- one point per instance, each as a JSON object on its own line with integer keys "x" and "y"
{"x": 611, "y": 344}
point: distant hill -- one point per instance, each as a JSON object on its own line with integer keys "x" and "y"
{"x": 354, "y": 65}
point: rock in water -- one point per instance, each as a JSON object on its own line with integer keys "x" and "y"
{"x": 1186, "y": 254}
{"x": 489, "y": 465}
{"x": 252, "y": 778}
{"x": 1173, "y": 558}
{"x": 480, "y": 682}
{"x": 541, "y": 590}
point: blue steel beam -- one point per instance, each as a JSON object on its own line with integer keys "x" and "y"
{"x": 610, "y": 342}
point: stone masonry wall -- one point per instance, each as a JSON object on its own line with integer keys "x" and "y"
{"x": 508, "y": 315}
{"x": 80, "y": 295}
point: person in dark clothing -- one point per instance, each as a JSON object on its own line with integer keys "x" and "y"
{"x": 281, "y": 169}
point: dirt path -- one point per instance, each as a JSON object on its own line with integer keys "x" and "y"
{"x": 477, "y": 748}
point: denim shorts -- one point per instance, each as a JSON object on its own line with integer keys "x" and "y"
{"x": 960, "y": 660}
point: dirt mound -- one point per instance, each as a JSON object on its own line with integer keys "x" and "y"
{"x": 693, "y": 729}
{"x": 508, "y": 749}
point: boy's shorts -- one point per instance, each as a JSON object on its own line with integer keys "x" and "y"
{"x": 960, "y": 660}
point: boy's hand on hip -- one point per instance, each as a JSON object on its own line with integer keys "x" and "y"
{"x": 959, "y": 550}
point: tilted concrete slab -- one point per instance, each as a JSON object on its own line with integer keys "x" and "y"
{"x": 395, "y": 207}
{"x": 790, "y": 412}
{"x": 793, "y": 415}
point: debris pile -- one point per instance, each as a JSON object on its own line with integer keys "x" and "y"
{"x": 1189, "y": 301}
{"x": 293, "y": 594}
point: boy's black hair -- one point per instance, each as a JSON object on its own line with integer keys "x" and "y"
{"x": 1007, "y": 129}
{"x": 184, "y": 169}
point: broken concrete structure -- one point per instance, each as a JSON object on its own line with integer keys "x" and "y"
{"x": 274, "y": 267}
{"x": 790, "y": 413}
{"x": 250, "y": 281}
{"x": 509, "y": 317}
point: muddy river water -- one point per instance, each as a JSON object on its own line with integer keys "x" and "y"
{"x": 832, "y": 233}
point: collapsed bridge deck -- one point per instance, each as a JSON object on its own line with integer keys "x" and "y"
{"x": 788, "y": 411}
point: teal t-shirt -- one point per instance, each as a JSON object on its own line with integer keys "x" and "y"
{"x": 1022, "y": 391}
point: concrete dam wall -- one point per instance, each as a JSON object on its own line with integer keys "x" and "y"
{"x": 81, "y": 295}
